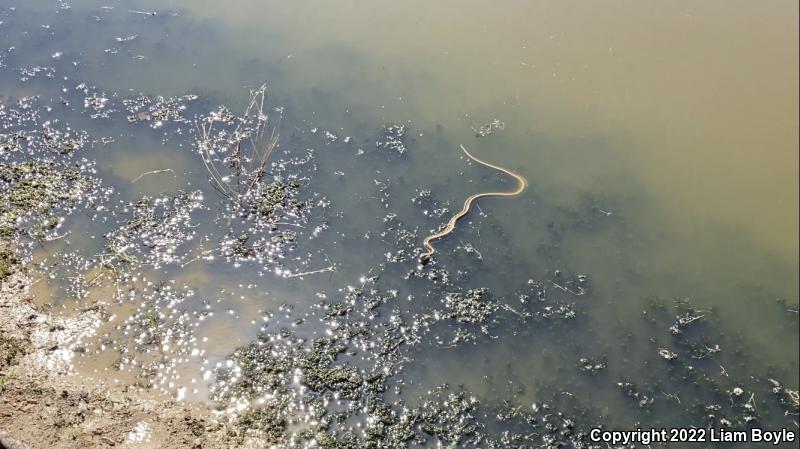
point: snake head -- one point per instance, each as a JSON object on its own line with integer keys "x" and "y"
{"x": 424, "y": 259}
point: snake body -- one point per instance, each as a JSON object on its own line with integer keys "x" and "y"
{"x": 451, "y": 225}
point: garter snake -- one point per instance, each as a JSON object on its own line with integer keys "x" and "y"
{"x": 451, "y": 225}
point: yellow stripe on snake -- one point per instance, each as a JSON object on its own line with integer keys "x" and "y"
{"x": 451, "y": 225}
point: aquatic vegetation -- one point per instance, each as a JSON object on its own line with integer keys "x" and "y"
{"x": 474, "y": 307}
{"x": 393, "y": 139}
{"x": 42, "y": 177}
{"x": 35, "y": 194}
{"x": 9, "y": 263}
{"x": 236, "y": 172}
{"x": 489, "y": 128}
{"x": 155, "y": 231}
{"x": 430, "y": 207}
{"x": 267, "y": 201}
{"x": 593, "y": 366}
{"x": 29, "y": 73}
{"x": 158, "y": 110}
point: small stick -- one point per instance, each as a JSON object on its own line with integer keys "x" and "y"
{"x": 152, "y": 172}
{"x": 672, "y": 396}
{"x": 512, "y": 310}
{"x": 289, "y": 224}
{"x": 322, "y": 270}
{"x": 567, "y": 289}
{"x": 752, "y": 401}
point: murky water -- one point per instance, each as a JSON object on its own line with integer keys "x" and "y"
{"x": 660, "y": 143}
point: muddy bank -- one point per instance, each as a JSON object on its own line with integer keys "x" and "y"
{"x": 42, "y": 407}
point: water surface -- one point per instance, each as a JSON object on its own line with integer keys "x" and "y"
{"x": 659, "y": 140}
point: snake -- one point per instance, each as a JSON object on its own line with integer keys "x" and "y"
{"x": 451, "y": 225}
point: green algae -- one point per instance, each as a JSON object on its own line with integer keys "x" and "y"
{"x": 32, "y": 192}
{"x": 272, "y": 197}
{"x": 9, "y": 263}
{"x": 11, "y": 349}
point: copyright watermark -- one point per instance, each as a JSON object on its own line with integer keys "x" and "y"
{"x": 692, "y": 435}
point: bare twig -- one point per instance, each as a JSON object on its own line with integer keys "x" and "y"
{"x": 245, "y": 171}
{"x": 322, "y": 270}
{"x": 672, "y": 396}
{"x": 152, "y": 172}
{"x": 568, "y": 290}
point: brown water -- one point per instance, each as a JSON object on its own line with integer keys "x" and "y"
{"x": 688, "y": 108}
{"x": 697, "y": 98}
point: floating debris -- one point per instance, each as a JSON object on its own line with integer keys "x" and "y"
{"x": 393, "y": 139}
{"x": 667, "y": 354}
{"x": 29, "y": 73}
{"x": 593, "y": 366}
{"x": 126, "y": 38}
{"x": 489, "y": 128}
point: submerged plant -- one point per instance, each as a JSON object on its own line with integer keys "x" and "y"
{"x": 236, "y": 149}
{"x": 33, "y": 195}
